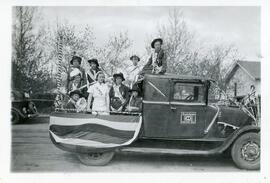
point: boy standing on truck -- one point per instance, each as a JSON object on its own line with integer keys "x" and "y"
{"x": 157, "y": 62}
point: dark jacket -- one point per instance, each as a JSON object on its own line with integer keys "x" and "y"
{"x": 161, "y": 61}
{"x": 83, "y": 80}
{"x": 71, "y": 106}
{"x": 90, "y": 80}
{"x": 124, "y": 90}
{"x": 82, "y": 83}
{"x": 136, "y": 102}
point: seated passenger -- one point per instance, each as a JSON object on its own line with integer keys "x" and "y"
{"x": 135, "y": 101}
{"x": 157, "y": 61}
{"x": 119, "y": 93}
{"x": 74, "y": 97}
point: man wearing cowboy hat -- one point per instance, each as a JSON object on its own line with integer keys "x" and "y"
{"x": 135, "y": 101}
{"x": 119, "y": 93}
{"x": 157, "y": 62}
{"x": 134, "y": 70}
{"x": 91, "y": 74}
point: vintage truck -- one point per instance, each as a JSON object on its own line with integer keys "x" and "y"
{"x": 177, "y": 118}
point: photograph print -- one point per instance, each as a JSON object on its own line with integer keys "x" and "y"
{"x": 135, "y": 89}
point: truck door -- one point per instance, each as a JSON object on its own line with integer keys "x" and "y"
{"x": 156, "y": 108}
{"x": 187, "y": 110}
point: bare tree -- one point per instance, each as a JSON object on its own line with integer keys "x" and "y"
{"x": 178, "y": 41}
{"x": 27, "y": 68}
{"x": 115, "y": 52}
{"x": 186, "y": 55}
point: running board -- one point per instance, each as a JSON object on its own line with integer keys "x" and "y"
{"x": 146, "y": 150}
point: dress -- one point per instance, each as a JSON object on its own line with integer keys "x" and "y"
{"x": 100, "y": 92}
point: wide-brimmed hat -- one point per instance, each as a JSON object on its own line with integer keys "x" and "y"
{"x": 76, "y": 58}
{"x": 135, "y": 56}
{"x": 93, "y": 60}
{"x": 75, "y": 92}
{"x": 156, "y": 40}
{"x": 120, "y": 74}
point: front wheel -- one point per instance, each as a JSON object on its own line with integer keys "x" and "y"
{"x": 246, "y": 151}
{"x": 95, "y": 159}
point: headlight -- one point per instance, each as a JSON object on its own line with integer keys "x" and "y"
{"x": 24, "y": 110}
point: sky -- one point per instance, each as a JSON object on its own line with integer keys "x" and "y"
{"x": 216, "y": 25}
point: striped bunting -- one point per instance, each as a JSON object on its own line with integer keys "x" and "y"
{"x": 98, "y": 132}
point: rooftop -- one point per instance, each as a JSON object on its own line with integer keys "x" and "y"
{"x": 252, "y": 68}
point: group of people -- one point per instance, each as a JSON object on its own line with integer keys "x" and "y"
{"x": 90, "y": 90}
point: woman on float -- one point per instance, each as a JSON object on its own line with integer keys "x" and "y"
{"x": 99, "y": 93}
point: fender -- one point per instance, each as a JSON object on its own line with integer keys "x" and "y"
{"x": 229, "y": 141}
{"x": 19, "y": 112}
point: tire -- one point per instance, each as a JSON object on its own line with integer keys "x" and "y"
{"x": 95, "y": 159}
{"x": 15, "y": 117}
{"x": 246, "y": 151}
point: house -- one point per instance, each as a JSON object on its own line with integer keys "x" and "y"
{"x": 241, "y": 76}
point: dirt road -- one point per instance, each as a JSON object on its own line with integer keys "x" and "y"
{"x": 32, "y": 151}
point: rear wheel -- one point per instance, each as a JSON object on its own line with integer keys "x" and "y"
{"x": 95, "y": 159}
{"x": 246, "y": 151}
{"x": 15, "y": 117}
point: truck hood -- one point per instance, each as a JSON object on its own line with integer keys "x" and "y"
{"x": 233, "y": 116}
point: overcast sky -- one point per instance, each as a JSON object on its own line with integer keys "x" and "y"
{"x": 238, "y": 25}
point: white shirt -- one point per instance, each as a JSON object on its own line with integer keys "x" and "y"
{"x": 132, "y": 72}
{"x": 100, "y": 92}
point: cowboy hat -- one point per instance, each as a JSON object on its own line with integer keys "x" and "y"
{"x": 156, "y": 40}
{"x": 94, "y": 61}
{"x": 121, "y": 75}
{"x": 75, "y": 92}
{"x": 79, "y": 59}
{"x": 135, "y": 56}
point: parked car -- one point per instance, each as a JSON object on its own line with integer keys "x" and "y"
{"x": 22, "y": 107}
{"x": 176, "y": 119}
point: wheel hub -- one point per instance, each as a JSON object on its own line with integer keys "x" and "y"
{"x": 95, "y": 155}
{"x": 250, "y": 151}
